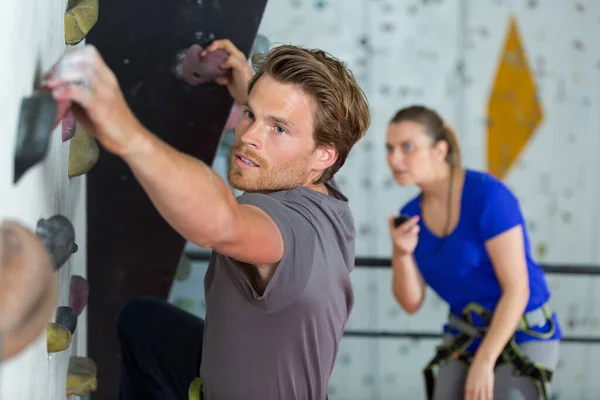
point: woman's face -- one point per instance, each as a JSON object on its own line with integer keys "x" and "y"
{"x": 412, "y": 156}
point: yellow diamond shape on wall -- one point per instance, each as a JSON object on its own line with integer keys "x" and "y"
{"x": 514, "y": 111}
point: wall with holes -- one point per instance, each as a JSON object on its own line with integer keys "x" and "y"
{"x": 472, "y": 60}
{"x": 31, "y": 40}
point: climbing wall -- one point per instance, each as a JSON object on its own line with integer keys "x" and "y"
{"x": 31, "y": 40}
{"x": 517, "y": 80}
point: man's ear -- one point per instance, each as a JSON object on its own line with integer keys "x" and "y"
{"x": 326, "y": 155}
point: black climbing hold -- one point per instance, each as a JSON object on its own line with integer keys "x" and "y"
{"x": 58, "y": 235}
{"x": 67, "y": 317}
{"x": 36, "y": 118}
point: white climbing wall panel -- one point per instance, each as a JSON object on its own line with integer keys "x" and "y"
{"x": 31, "y": 40}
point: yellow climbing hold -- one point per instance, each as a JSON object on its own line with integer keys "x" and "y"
{"x": 514, "y": 111}
{"x": 83, "y": 153}
{"x": 81, "y": 376}
{"x": 80, "y": 18}
{"x": 58, "y": 337}
{"x": 195, "y": 390}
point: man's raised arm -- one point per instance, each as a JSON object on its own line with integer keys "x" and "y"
{"x": 192, "y": 198}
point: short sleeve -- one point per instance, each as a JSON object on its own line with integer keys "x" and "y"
{"x": 293, "y": 271}
{"x": 501, "y": 210}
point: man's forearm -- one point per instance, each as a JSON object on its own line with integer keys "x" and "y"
{"x": 191, "y": 197}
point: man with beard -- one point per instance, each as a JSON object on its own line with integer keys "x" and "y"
{"x": 278, "y": 291}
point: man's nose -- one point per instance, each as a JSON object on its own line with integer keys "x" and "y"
{"x": 253, "y": 135}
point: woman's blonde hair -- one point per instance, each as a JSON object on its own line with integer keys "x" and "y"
{"x": 437, "y": 129}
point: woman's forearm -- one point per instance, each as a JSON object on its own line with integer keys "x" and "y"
{"x": 505, "y": 320}
{"x": 407, "y": 283}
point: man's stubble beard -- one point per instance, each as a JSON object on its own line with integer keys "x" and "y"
{"x": 265, "y": 178}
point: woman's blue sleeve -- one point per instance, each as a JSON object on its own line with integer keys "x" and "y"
{"x": 500, "y": 210}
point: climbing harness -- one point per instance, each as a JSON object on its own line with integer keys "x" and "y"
{"x": 195, "y": 390}
{"x": 512, "y": 355}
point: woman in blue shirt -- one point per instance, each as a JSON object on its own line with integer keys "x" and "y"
{"x": 465, "y": 237}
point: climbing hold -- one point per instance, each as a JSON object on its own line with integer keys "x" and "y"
{"x": 234, "y": 116}
{"x": 78, "y": 293}
{"x": 228, "y": 135}
{"x": 183, "y": 269}
{"x": 35, "y": 124}
{"x": 38, "y": 117}
{"x": 69, "y": 124}
{"x": 58, "y": 337}
{"x": 83, "y": 153}
{"x": 81, "y": 376}
{"x": 80, "y": 18}
{"x": 195, "y": 389}
{"x": 28, "y": 288}
{"x": 63, "y": 109}
{"x": 58, "y": 235}
{"x": 66, "y": 317}
{"x": 195, "y": 69}
{"x": 185, "y": 303}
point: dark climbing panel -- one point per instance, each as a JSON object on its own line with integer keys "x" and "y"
{"x": 131, "y": 250}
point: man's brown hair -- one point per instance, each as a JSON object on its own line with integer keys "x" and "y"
{"x": 342, "y": 114}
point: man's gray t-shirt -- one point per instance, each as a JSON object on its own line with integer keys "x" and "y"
{"x": 282, "y": 344}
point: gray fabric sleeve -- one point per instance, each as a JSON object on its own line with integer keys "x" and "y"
{"x": 299, "y": 235}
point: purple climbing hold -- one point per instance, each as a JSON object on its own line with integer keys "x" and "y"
{"x": 69, "y": 123}
{"x": 195, "y": 69}
{"x": 78, "y": 293}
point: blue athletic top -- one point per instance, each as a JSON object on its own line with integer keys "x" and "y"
{"x": 460, "y": 271}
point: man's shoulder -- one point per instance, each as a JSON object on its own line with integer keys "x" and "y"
{"x": 302, "y": 208}
{"x": 301, "y": 196}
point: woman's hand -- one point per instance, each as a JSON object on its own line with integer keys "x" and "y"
{"x": 406, "y": 236}
{"x": 480, "y": 381}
